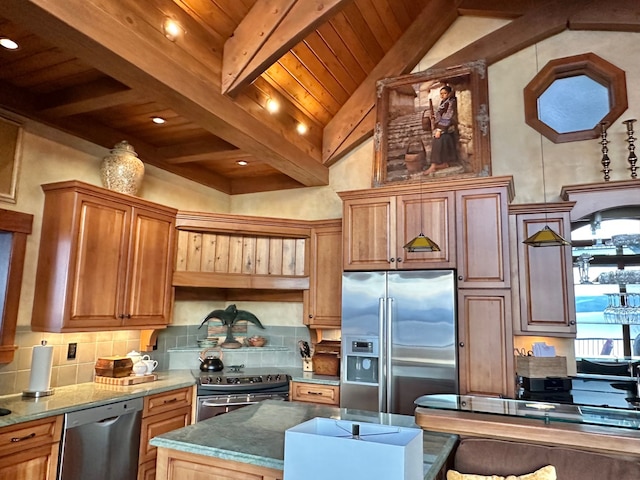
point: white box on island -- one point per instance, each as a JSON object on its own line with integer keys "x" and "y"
{"x": 324, "y": 448}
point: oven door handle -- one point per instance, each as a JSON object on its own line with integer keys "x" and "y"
{"x": 210, "y": 404}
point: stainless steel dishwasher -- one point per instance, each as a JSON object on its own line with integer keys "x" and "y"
{"x": 102, "y": 443}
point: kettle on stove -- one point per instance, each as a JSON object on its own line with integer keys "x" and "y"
{"x": 210, "y": 363}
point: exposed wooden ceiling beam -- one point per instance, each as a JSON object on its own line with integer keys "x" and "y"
{"x": 23, "y": 104}
{"x": 192, "y": 152}
{"x": 85, "y": 98}
{"x": 497, "y": 8}
{"x": 271, "y": 28}
{"x": 349, "y": 122}
{"x": 549, "y": 18}
{"x": 139, "y": 56}
{"x": 265, "y": 183}
{"x": 621, "y": 16}
{"x": 101, "y": 135}
{"x": 235, "y": 154}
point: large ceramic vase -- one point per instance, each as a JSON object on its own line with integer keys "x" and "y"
{"x": 122, "y": 170}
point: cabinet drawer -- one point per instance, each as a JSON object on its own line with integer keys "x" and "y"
{"x": 16, "y": 438}
{"x": 168, "y": 401}
{"x": 316, "y": 393}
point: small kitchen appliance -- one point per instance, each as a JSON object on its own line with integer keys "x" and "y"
{"x": 549, "y": 389}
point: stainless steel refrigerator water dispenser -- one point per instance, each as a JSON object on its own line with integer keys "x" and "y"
{"x": 362, "y": 362}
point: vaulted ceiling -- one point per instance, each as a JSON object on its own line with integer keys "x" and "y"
{"x": 101, "y": 69}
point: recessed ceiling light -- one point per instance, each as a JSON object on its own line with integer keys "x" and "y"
{"x": 272, "y": 105}
{"x": 8, "y": 44}
{"x": 301, "y": 128}
{"x": 172, "y": 29}
{"x": 158, "y": 120}
{"x": 242, "y": 163}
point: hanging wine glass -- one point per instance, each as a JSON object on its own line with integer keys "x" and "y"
{"x": 610, "y": 311}
{"x": 634, "y": 314}
{"x": 622, "y": 309}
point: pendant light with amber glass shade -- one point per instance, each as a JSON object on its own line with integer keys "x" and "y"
{"x": 421, "y": 243}
{"x": 546, "y": 237}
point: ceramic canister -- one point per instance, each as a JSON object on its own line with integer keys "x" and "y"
{"x": 122, "y": 170}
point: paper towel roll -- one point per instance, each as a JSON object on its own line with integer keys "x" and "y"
{"x": 41, "y": 362}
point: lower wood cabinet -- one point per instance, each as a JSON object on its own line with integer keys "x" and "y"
{"x": 314, "y": 393}
{"x": 29, "y": 451}
{"x": 175, "y": 465}
{"x": 162, "y": 413}
{"x": 485, "y": 348}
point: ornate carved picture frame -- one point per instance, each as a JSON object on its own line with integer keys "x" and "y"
{"x": 432, "y": 125}
{"x": 10, "y": 153}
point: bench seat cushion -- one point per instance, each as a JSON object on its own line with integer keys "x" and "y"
{"x": 499, "y": 457}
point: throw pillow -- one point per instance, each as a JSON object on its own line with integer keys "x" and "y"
{"x": 545, "y": 473}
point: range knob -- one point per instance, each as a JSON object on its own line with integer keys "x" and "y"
{"x": 218, "y": 379}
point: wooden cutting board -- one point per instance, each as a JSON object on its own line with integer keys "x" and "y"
{"x": 130, "y": 380}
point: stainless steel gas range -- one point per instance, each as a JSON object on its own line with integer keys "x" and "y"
{"x": 222, "y": 392}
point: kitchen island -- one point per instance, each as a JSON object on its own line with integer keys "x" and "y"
{"x": 250, "y": 441}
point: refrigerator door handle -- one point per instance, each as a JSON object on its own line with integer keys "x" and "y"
{"x": 387, "y": 353}
{"x": 382, "y": 396}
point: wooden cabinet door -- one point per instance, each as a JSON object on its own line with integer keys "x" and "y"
{"x": 98, "y": 264}
{"x": 369, "y": 234}
{"x": 150, "y": 263}
{"x": 547, "y": 298}
{"x": 157, "y": 425}
{"x": 485, "y": 349}
{"x": 105, "y": 261}
{"x": 29, "y": 450}
{"x": 433, "y": 215}
{"x": 482, "y": 237}
{"x": 39, "y": 463}
{"x": 323, "y": 302}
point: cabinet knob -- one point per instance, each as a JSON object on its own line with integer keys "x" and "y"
{"x": 310, "y": 316}
{"x": 399, "y": 260}
{"x": 572, "y": 322}
{"x": 121, "y": 315}
{"x": 392, "y": 260}
{"x": 461, "y": 344}
{"x": 460, "y": 277}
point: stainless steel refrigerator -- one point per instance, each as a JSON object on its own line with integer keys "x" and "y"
{"x": 398, "y": 339}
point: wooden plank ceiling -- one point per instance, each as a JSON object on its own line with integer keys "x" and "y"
{"x": 101, "y": 69}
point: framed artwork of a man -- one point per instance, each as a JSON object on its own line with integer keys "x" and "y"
{"x": 432, "y": 125}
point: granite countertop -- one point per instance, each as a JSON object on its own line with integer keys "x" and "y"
{"x": 255, "y": 434}
{"x": 297, "y": 375}
{"x": 87, "y": 395}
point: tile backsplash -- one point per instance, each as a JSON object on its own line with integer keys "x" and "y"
{"x": 177, "y": 347}
{"x": 14, "y": 376}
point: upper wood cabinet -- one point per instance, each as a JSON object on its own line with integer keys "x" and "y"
{"x": 377, "y": 228}
{"x": 322, "y": 302}
{"x": 105, "y": 261}
{"x": 482, "y": 236}
{"x": 545, "y": 296}
{"x": 467, "y": 218}
{"x": 14, "y": 228}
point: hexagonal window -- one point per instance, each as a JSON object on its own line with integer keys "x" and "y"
{"x": 570, "y": 97}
